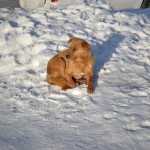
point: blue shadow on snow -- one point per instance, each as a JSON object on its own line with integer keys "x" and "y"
{"x": 103, "y": 52}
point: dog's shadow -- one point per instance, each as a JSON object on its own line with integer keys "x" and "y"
{"x": 103, "y": 52}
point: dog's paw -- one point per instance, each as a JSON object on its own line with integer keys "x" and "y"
{"x": 90, "y": 89}
{"x": 81, "y": 81}
{"x": 65, "y": 87}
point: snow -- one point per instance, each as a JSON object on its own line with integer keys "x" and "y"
{"x": 38, "y": 116}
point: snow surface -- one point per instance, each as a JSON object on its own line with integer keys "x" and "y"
{"x": 38, "y": 116}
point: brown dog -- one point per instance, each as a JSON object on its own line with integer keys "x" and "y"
{"x": 72, "y": 66}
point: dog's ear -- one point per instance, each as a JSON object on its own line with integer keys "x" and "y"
{"x": 71, "y": 39}
{"x": 85, "y": 45}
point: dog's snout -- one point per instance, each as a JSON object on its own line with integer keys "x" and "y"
{"x": 68, "y": 56}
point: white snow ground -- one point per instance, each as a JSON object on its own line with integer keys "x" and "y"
{"x": 37, "y": 116}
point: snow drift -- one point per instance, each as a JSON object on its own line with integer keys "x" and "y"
{"x": 38, "y": 116}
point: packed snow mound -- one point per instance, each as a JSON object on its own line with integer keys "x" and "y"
{"x": 38, "y": 116}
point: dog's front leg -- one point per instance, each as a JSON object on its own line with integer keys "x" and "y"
{"x": 70, "y": 81}
{"x": 89, "y": 78}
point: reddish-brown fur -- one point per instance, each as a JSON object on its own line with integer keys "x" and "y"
{"x": 71, "y": 66}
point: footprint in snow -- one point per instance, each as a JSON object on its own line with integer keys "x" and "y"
{"x": 105, "y": 71}
{"x": 109, "y": 115}
{"x": 133, "y": 126}
{"x": 23, "y": 58}
{"x": 137, "y": 93}
{"x": 146, "y": 124}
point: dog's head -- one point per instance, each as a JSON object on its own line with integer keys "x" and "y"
{"x": 79, "y": 50}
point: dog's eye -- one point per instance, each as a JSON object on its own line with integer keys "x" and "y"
{"x": 74, "y": 49}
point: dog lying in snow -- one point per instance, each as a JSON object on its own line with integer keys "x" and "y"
{"x": 73, "y": 66}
